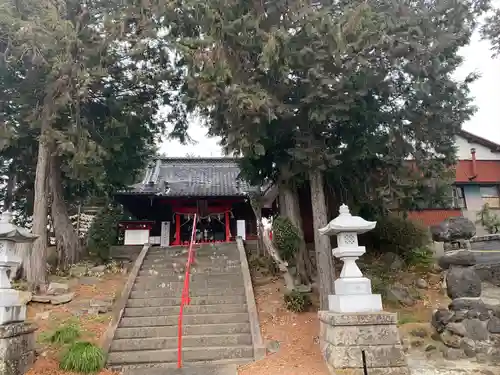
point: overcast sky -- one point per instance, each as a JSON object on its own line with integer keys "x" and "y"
{"x": 486, "y": 93}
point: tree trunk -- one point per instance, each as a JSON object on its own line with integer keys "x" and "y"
{"x": 67, "y": 242}
{"x": 289, "y": 208}
{"x": 9, "y": 190}
{"x": 36, "y": 271}
{"x": 324, "y": 257}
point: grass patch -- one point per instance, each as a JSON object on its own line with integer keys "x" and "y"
{"x": 66, "y": 334}
{"x": 83, "y": 357}
{"x": 297, "y": 301}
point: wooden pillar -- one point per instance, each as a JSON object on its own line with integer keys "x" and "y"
{"x": 228, "y": 230}
{"x": 177, "y": 229}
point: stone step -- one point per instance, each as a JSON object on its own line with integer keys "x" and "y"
{"x": 188, "y": 354}
{"x": 220, "y": 367}
{"x": 165, "y": 292}
{"x": 188, "y": 320}
{"x": 190, "y": 368}
{"x": 197, "y": 254}
{"x": 172, "y": 331}
{"x": 159, "y": 343}
{"x": 175, "y": 301}
{"x": 194, "y": 276}
{"x": 171, "y": 271}
{"x": 157, "y": 283}
{"x": 188, "y": 310}
{"x": 196, "y": 264}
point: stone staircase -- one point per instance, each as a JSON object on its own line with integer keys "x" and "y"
{"x": 216, "y": 326}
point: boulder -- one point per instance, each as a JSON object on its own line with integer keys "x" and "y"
{"x": 469, "y": 347}
{"x": 98, "y": 269}
{"x": 461, "y": 304}
{"x": 457, "y": 329}
{"x": 453, "y": 229}
{"x": 462, "y": 282}
{"x": 421, "y": 284}
{"x": 451, "y": 340}
{"x": 441, "y": 318}
{"x": 453, "y": 354}
{"x": 463, "y": 258}
{"x": 494, "y": 325}
{"x": 400, "y": 295}
{"x": 41, "y": 298}
{"x": 476, "y": 330}
{"x": 57, "y": 288}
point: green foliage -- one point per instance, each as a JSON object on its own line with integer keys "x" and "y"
{"x": 421, "y": 257}
{"x": 83, "y": 357}
{"x": 489, "y": 220}
{"x": 297, "y": 301}
{"x": 66, "y": 334}
{"x": 103, "y": 233}
{"x": 286, "y": 238}
{"x": 397, "y": 235}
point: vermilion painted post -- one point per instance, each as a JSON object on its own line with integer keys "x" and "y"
{"x": 185, "y": 300}
{"x": 177, "y": 229}
{"x": 228, "y": 230}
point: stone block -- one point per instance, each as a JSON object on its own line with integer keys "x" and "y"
{"x": 376, "y": 356}
{"x": 17, "y": 348}
{"x": 362, "y": 335}
{"x": 359, "y": 319}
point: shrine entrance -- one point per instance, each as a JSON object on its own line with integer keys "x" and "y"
{"x": 212, "y": 221}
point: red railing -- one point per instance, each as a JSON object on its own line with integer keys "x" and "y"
{"x": 185, "y": 300}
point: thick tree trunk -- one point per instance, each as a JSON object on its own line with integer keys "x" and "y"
{"x": 324, "y": 257}
{"x": 289, "y": 208}
{"x": 9, "y": 190}
{"x": 36, "y": 272}
{"x": 67, "y": 242}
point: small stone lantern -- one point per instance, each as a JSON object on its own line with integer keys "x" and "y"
{"x": 11, "y": 308}
{"x": 353, "y": 292}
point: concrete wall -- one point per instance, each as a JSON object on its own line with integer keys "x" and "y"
{"x": 482, "y": 153}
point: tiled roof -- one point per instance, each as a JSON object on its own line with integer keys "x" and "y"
{"x": 432, "y": 217}
{"x": 488, "y": 171}
{"x": 193, "y": 177}
{"x": 495, "y": 147}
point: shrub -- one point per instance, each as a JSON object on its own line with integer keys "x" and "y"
{"x": 297, "y": 301}
{"x": 286, "y": 238}
{"x": 103, "y": 232}
{"x": 397, "y": 235}
{"x": 489, "y": 220}
{"x": 419, "y": 257}
{"x": 66, "y": 334}
{"x": 83, "y": 357}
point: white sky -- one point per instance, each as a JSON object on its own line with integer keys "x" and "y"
{"x": 486, "y": 92}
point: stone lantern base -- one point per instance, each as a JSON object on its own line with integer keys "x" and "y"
{"x": 344, "y": 337}
{"x": 17, "y": 348}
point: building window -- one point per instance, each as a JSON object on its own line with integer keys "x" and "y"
{"x": 490, "y": 195}
{"x": 458, "y": 197}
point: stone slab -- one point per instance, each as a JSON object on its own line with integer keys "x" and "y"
{"x": 16, "y": 329}
{"x": 373, "y": 371}
{"x": 362, "y": 335}
{"x": 358, "y": 319}
{"x": 351, "y": 356}
{"x": 17, "y": 366}
{"x": 359, "y": 303}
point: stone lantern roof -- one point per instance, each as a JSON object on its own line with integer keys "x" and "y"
{"x": 11, "y": 232}
{"x": 345, "y": 222}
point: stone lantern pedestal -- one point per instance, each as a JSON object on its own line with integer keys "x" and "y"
{"x": 17, "y": 340}
{"x": 355, "y": 331}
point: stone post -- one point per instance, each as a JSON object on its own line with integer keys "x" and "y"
{"x": 356, "y": 325}
{"x": 17, "y": 340}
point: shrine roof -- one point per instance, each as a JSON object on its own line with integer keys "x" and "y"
{"x": 192, "y": 177}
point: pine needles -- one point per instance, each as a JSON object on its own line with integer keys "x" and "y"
{"x": 83, "y": 357}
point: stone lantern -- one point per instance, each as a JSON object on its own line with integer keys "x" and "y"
{"x": 17, "y": 340}
{"x": 355, "y": 332}
{"x": 353, "y": 292}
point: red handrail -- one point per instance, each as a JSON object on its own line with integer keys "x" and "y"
{"x": 185, "y": 300}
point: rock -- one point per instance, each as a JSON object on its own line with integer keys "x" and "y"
{"x": 493, "y": 325}
{"x": 303, "y": 288}
{"x": 458, "y": 316}
{"x": 98, "y": 269}
{"x": 481, "y": 358}
{"x": 462, "y": 282}
{"x": 417, "y": 342}
{"x": 421, "y": 284}
{"x": 62, "y": 298}
{"x": 77, "y": 271}
{"x": 476, "y": 330}
{"x": 453, "y": 354}
{"x": 57, "y": 288}
{"x": 25, "y": 297}
{"x": 453, "y": 229}
{"x": 273, "y": 346}
{"x": 440, "y": 319}
{"x": 42, "y": 315}
{"x": 41, "y": 298}
{"x": 436, "y": 268}
{"x": 461, "y": 304}
{"x": 102, "y": 307}
{"x": 469, "y": 347}
{"x": 483, "y": 347}
{"x": 392, "y": 261}
{"x": 457, "y": 329}
{"x": 89, "y": 280}
{"x": 400, "y": 295}
{"x": 419, "y": 332}
{"x": 430, "y": 348}
{"x": 451, "y": 340}
{"x": 461, "y": 258}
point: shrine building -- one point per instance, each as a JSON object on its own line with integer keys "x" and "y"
{"x": 174, "y": 189}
